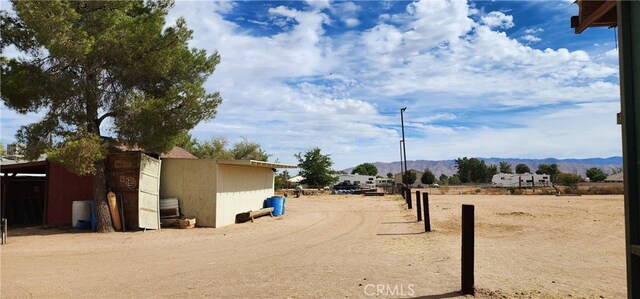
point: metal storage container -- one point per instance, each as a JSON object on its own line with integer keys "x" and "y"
{"x": 135, "y": 177}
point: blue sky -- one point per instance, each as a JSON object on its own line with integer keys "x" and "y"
{"x": 478, "y": 78}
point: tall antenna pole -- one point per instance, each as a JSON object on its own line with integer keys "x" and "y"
{"x": 404, "y": 142}
{"x": 401, "y": 167}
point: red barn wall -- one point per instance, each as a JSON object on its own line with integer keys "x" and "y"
{"x": 65, "y": 187}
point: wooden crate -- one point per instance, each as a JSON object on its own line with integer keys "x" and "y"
{"x": 187, "y": 223}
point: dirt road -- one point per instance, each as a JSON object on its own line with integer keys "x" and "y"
{"x": 339, "y": 246}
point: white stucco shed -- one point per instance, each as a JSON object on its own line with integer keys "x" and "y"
{"x": 215, "y": 191}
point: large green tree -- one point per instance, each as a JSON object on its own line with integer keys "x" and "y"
{"x": 550, "y": 169}
{"x": 505, "y": 167}
{"x": 428, "y": 177}
{"x": 410, "y": 177}
{"x": 569, "y": 179}
{"x": 280, "y": 181}
{"x": 88, "y": 61}
{"x": 443, "y": 179}
{"x": 454, "y": 180}
{"x": 365, "y": 169}
{"x": 596, "y": 174}
{"x": 315, "y": 168}
{"x": 215, "y": 148}
{"x": 522, "y": 168}
{"x": 491, "y": 171}
{"x": 471, "y": 170}
{"x": 218, "y": 148}
{"x": 246, "y": 149}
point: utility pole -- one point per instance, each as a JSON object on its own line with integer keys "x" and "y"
{"x": 404, "y": 143}
{"x": 401, "y": 167}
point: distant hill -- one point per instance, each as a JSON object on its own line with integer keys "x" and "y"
{"x": 447, "y": 167}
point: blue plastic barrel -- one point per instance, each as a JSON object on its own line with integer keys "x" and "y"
{"x": 94, "y": 223}
{"x": 88, "y": 224}
{"x": 284, "y": 204}
{"x": 277, "y": 203}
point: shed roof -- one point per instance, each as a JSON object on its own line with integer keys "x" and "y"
{"x": 594, "y": 13}
{"x": 254, "y": 163}
{"x": 26, "y": 167}
{"x": 178, "y": 152}
{"x": 296, "y": 179}
{"x": 618, "y": 177}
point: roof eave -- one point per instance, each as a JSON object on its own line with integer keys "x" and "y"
{"x": 254, "y": 163}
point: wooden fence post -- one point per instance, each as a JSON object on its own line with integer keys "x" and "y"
{"x": 409, "y": 204}
{"x": 4, "y": 230}
{"x": 425, "y": 207}
{"x": 467, "y": 249}
{"x": 418, "y": 206}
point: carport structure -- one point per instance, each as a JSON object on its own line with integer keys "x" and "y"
{"x": 625, "y": 15}
{"x": 41, "y": 189}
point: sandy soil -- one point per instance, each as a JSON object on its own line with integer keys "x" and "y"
{"x": 339, "y": 246}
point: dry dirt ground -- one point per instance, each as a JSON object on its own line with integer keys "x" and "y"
{"x": 339, "y": 246}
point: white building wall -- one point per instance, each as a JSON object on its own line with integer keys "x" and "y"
{"x": 193, "y": 182}
{"x": 241, "y": 189}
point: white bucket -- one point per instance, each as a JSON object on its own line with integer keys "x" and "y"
{"x": 81, "y": 210}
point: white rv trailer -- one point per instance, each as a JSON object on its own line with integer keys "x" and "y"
{"x": 384, "y": 182}
{"x": 524, "y": 180}
{"x": 357, "y": 179}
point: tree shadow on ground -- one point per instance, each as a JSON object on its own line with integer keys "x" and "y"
{"x": 21, "y": 231}
{"x": 442, "y": 296}
{"x": 400, "y": 234}
{"x": 398, "y": 222}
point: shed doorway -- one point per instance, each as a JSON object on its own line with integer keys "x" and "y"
{"x": 23, "y": 200}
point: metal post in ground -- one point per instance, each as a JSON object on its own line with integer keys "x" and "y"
{"x": 467, "y": 250}
{"x": 4, "y": 230}
{"x": 425, "y": 207}
{"x": 418, "y": 206}
{"x": 404, "y": 194}
{"x": 401, "y": 172}
{"x": 409, "y": 204}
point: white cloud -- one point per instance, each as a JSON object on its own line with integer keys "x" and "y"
{"x": 436, "y": 117}
{"x": 530, "y": 38}
{"x": 348, "y": 7}
{"x": 613, "y": 53}
{"x": 348, "y": 13}
{"x": 554, "y": 134}
{"x": 318, "y": 4}
{"x": 300, "y": 87}
{"x": 352, "y": 22}
{"x": 497, "y": 19}
{"x": 434, "y": 22}
{"x": 469, "y": 68}
{"x": 382, "y": 39}
{"x": 533, "y": 30}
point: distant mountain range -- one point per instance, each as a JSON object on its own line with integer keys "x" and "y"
{"x": 448, "y": 167}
